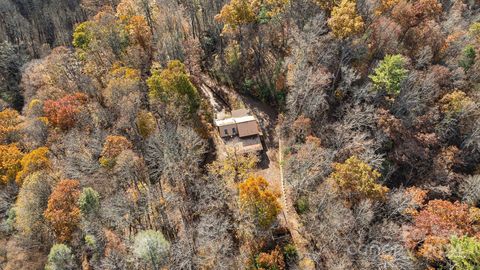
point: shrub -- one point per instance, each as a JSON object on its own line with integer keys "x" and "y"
{"x": 474, "y": 30}
{"x": 152, "y": 248}
{"x": 389, "y": 74}
{"x": 89, "y": 201}
{"x": 468, "y": 57}
{"x": 35, "y": 108}
{"x": 146, "y": 123}
{"x": 91, "y": 241}
{"x": 60, "y": 258}
{"x": 62, "y": 113}
{"x": 464, "y": 252}
{"x": 270, "y": 261}
{"x": 290, "y": 252}
{"x": 301, "y": 205}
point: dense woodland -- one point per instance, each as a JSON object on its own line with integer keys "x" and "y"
{"x": 107, "y": 156}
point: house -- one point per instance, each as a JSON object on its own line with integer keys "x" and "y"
{"x": 240, "y": 130}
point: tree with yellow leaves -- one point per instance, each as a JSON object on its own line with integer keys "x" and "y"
{"x": 385, "y": 6}
{"x": 146, "y": 123}
{"x": 139, "y": 32}
{"x": 9, "y": 121}
{"x": 455, "y": 102}
{"x": 259, "y": 201}
{"x": 356, "y": 180}
{"x": 345, "y": 21}
{"x": 325, "y": 4}
{"x": 172, "y": 85}
{"x": 235, "y": 14}
{"x": 10, "y": 157}
{"x": 242, "y": 12}
{"x": 34, "y": 161}
{"x": 31, "y": 202}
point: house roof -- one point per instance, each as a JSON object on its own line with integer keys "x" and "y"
{"x": 224, "y": 122}
{"x": 236, "y": 120}
{"x": 244, "y": 119}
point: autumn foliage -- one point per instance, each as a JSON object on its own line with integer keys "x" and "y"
{"x": 272, "y": 260}
{"x": 436, "y": 223}
{"x": 9, "y": 120}
{"x": 259, "y": 201}
{"x": 114, "y": 145}
{"x": 62, "y": 211}
{"x": 34, "y": 161}
{"x": 355, "y": 180}
{"x": 455, "y": 102}
{"x": 172, "y": 85}
{"x": 412, "y": 13}
{"x": 243, "y": 12}
{"x": 62, "y": 113}
{"x": 146, "y": 123}
{"x": 345, "y": 21}
{"x": 10, "y": 158}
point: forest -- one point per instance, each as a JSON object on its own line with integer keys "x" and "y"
{"x": 368, "y": 113}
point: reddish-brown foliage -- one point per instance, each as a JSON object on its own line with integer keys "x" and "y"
{"x": 302, "y": 128}
{"x": 272, "y": 260}
{"x": 417, "y": 200}
{"x": 385, "y": 36}
{"x": 62, "y": 210}
{"x": 412, "y": 13}
{"x": 427, "y": 33}
{"x": 114, "y": 145}
{"x": 435, "y": 224}
{"x": 62, "y": 113}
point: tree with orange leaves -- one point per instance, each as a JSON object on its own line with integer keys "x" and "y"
{"x": 273, "y": 260}
{"x": 62, "y": 210}
{"x": 259, "y": 201}
{"x": 434, "y": 225}
{"x": 62, "y": 112}
{"x": 411, "y": 13}
{"x": 113, "y": 146}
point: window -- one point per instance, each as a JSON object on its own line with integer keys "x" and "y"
{"x": 226, "y": 131}
{"x": 234, "y": 131}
